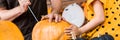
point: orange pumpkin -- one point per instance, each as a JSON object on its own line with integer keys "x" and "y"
{"x": 9, "y": 31}
{"x": 45, "y": 30}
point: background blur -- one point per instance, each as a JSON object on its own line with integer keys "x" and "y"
{"x": 65, "y": 2}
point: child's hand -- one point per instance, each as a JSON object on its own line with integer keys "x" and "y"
{"x": 72, "y": 30}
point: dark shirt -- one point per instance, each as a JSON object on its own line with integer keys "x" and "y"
{"x": 26, "y": 21}
{"x": 2, "y": 3}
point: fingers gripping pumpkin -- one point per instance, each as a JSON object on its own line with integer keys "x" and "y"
{"x": 8, "y": 31}
{"x": 45, "y": 30}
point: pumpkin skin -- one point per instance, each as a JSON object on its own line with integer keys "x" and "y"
{"x": 9, "y": 31}
{"x": 45, "y": 30}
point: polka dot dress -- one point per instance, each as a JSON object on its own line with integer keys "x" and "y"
{"x": 112, "y": 18}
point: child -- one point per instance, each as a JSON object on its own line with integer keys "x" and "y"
{"x": 103, "y": 16}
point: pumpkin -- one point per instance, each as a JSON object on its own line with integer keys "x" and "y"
{"x": 45, "y": 30}
{"x": 9, "y": 31}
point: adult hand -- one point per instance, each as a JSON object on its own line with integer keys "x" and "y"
{"x": 24, "y": 5}
{"x": 52, "y": 16}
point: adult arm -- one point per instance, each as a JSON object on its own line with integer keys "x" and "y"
{"x": 15, "y": 12}
{"x": 56, "y": 7}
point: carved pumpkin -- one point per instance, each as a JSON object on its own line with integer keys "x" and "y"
{"x": 45, "y": 30}
{"x": 9, "y": 31}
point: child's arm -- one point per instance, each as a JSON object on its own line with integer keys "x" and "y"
{"x": 98, "y": 18}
